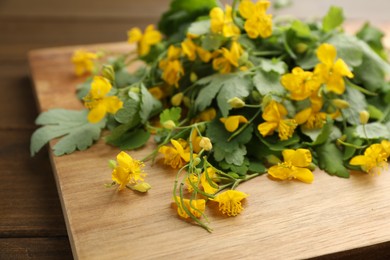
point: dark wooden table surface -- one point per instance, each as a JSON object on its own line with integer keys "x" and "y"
{"x": 31, "y": 221}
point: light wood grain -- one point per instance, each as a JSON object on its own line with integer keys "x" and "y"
{"x": 281, "y": 220}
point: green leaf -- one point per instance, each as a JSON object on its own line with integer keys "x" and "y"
{"x": 268, "y": 83}
{"x": 212, "y": 42}
{"x": 237, "y": 157}
{"x": 373, "y": 37}
{"x": 301, "y": 29}
{"x": 374, "y": 112}
{"x": 199, "y": 27}
{"x": 308, "y": 61}
{"x": 348, "y": 49}
{"x": 173, "y": 113}
{"x": 351, "y": 139}
{"x": 83, "y": 88}
{"x": 319, "y": 136}
{"x": 274, "y": 144}
{"x": 279, "y": 4}
{"x": 372, "y": 131}
{"x": 149, "y": 105}
{"x": 131, "y": 140}
{"x": 330, "y": 159}
{"x": 333, "y": 19}
{"x": 256, "y": 166}
{"x": 232, "y": 151}
{"x": 129, "y": 112}
{"x": 274, "y": 65}
{"x": 357, "y": 102}
{"x": 182, "y": 13}
{"x": 72, "y": 126}
{"x": 240, "y": 170}
{"x": 224, "y": 87}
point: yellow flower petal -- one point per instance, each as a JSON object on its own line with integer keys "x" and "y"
{"x": 134, "y": 35}
{"x": 302, "y": 116}
{"x": 232, "y": 122}
{"x": 112, "y": 104}
{"x": 341, "y": 68}
{"x": 124, "y": 160}
{"x": 196, "y": 207}
{"x": 267, "y": 128}
{"x": 303, "y": 174}
{"x": 246, "y": 8}
{"x": 279, "y": 172}
{"x": 230, "y": 202}
{"x": 326, "y": 53}
{"x": 97, "y": 113}
{"x": 100, "y": 87}
{"x": 299, "y": 157}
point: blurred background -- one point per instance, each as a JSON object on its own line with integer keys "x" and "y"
{"x": 31, "y": 220}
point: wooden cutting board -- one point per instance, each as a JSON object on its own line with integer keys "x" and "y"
{"x": 281, "y": 220}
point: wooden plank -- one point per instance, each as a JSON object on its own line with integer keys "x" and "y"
{"x": 35, "y": 248}
{"x": 281, "y": 220}
{"x": 29, "y": 200}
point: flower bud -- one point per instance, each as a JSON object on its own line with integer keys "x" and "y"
{"x": 196, "y": 161}
{"x": 256, "y": 96}
{"x": 169, "y": 124}
{"x": 134, "y": 89}
{"x": 112, "y": 164}
{"x": 301, "y": 47}
{"x": 141, "y": 187}
{"x": 340, "y": 103}
{"x": 187, "y": 101}
{"x": 193, "y": 77}
{"x": 236, "y": 102}
{"x": 177, "y": 99}
{"x": 108, "y": 72}
{"x": 205, "y": 143}
{"x": 272, "y": 159}
{"x": 364, "y": 116}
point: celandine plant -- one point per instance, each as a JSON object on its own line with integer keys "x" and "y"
{"x": 230, "y": 94}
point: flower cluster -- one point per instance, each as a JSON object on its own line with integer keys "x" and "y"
{"x": 230, "y": 94}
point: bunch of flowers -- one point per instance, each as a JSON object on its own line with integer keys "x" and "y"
{"x": 232, "y": 93}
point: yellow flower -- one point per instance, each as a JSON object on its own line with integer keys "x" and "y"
{"x": 207, "y": 181}
{"x": 206, "y": 115}
{"x": 83, "y": 61}
{"x": 386, "y": 147}
{"x": 196, "y": 207}
{"x": 204, "y": 55}
{"x": 312, "y": 117}
{"x": 375, "y": 156}
{"x": 127, "y": 171}
{"x": 195, "y": 139}
{"x": 146, "y": 40}
{"x": 205, "y": 143}
{"x": 156, "y": 92}
{"x": 222, "y": 23}
{"x": 258, "y": 22}
{"x": 189, "y": 49}
{"x": 330, "y": 71}
{"x": 97, "y": 101}
{"x": 230, "y": 202}
{"x": 232, "y": 122}
{"x": 176, "y": 156}
{"x": 172, "y": 67}
{"x": 274, "y": 114}
{"x": 294, "y": 166}
{"x": 191, "y": 180}
{"x": 301, "y": 84}
{"x": 229, "y": 57}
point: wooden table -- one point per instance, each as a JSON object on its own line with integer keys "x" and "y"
{"x": 31, "y": 220}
